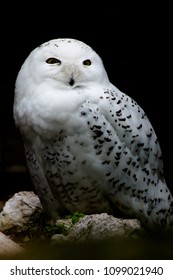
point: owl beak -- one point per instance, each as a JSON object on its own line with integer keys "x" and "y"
{"x": 71, "y": 82}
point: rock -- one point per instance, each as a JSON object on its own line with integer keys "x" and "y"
{"x": 59, "y": 238}
{"x": 9, "y": 247}
{"x": 20, "y": 212}
{"x": 98, "y": 227}
{"x": 23, "y": 212}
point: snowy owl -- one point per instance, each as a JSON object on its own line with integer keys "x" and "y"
{"x": 89, "y": 147}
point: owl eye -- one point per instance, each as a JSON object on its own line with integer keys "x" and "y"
{"x": 53, "y": 60}
{"x": 87, "y": 62}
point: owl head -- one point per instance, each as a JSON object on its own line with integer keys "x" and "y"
{"x": 65, "y": 63}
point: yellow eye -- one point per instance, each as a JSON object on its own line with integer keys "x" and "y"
{"x": 87, "y": 62}
{"x": 53, "y": 60}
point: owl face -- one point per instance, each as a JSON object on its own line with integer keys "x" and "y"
{"x": 66, "y": 63}
{"x": 55, "y": 79}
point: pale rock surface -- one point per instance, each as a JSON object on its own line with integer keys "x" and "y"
{"x": 99, "y": 227}
{"x": 9, "y": 247}
{"x": 20, "y": 212}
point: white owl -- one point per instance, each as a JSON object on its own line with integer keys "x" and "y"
{"x": 89, "y": 147}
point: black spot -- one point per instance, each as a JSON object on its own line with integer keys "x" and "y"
{"x": 101, "y": 141}
{"x": 98, "y": 133}
{"x": 140, "y": 144}
{"x": 97, "y": 126}
{"x": 140, "y": 126}
{"x": 107, "y": 139}
{"x": 117, "y": 158}
{"x": 118, "y": 113}
{"x": 163, "y": 211}
{"x": 111, "y": 148}
{"x": 149, "y": 135}
{"x": 83, "y": 113}
{"x": 146, "y": 171}
{"x": 129, "y": 172}
{"x": 119, "y": 101}
{"x": 118, "y": 154}
{"x": 125, "y": 170}
{"x": 106, "y": 162}
{"x": 129, "y": 161}
{"x": 125, "y": 126}
{"x": 115, "y": 182}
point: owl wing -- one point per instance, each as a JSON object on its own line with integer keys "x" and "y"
{"x": 128, "y": 154}
{"x": 124, "y": 125}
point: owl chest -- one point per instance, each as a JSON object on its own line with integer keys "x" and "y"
{"x": 68, "y": 157}
{"x": 82, "y": 148}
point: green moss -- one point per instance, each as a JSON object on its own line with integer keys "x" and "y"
{"x": 50, "y": 230}
{"x": 75, "y": 217}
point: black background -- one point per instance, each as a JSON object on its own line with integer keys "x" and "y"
{"x": 134, "y": 43}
